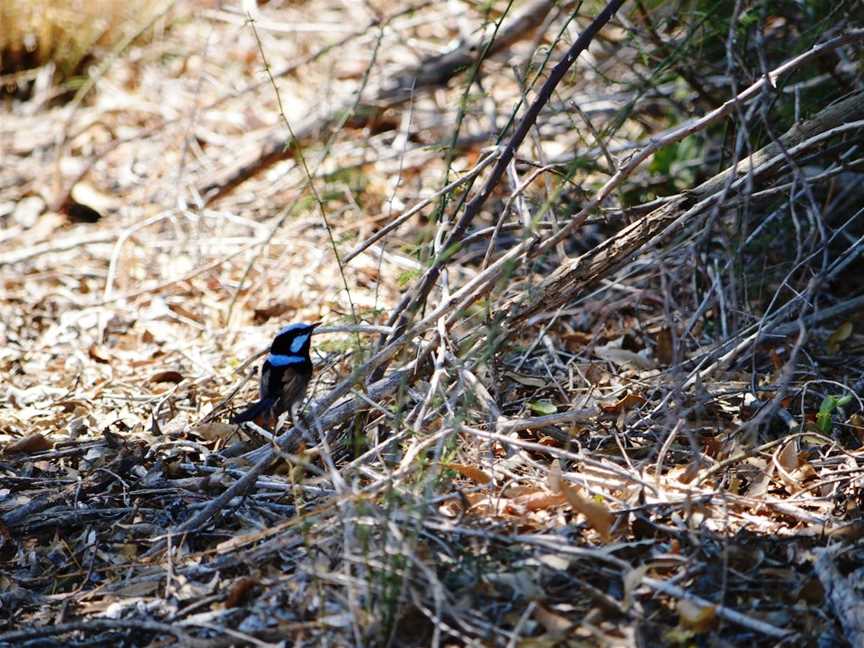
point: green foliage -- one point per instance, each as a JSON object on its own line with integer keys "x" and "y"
{"x": 407, "y": 276}
{"x": 826, "y": 409}
{"x": 543, "y": 408}
{"x": 677, "y": 161}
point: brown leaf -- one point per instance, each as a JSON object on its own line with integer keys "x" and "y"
{"x": 788, "y": 457}
{"x": 28, "y": 445}
{"x": 696, "y": 617}
{"x": 240, "y": 591}
{"x": 597, "y": 375}
{"x": 215, "y": 431}
{"x": 555, "y": 624}
{"x": 540, "y": 501}
{"x": 553, "y": 479}
{"x": 276, "y": 309}
{"x": 623, "y": 357}
{"x": 99, "y": 354}
{"x": 167, "y": 376}
{"x": 575, "y": 341}
{"x": 471, "y": 472}
{"x": 628, "y": 402}
{"x": 596, "y": 514}
{"x": 690, "y": 473}
{"x": 712, "y": 446}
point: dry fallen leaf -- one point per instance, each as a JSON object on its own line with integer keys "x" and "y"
{"x": 28, "y": 445}
{"x": 632, "y": 580}
{"x": 528, "y": 381}
{"x": 167, "y": 376}
{"x": 99, "y": 354}
{"x": 553, "y": 479}
{"x": 628, "y": 402}
{"x": 690, "y": 472}
{"x": 539, "y": 501}
{"x": 623, "y": 357}
{"x": 840, "y": 335}
{"x": 555, "y": 624}
{"x": 240, "y": 591}
{"x": 215, "y": 431}
{"x": 788, "y": 457}
{"x": 471, "y": 472}
{"x": 696, "y": 617}
{"x": 596, "y": 514}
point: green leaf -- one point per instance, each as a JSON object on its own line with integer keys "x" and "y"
{"x": 663, "y": 159}
{"x": 828, "y": 405}
{"x": 826, "y": 409}
{"x": 544, "y": 408}
{"x": 407, "y": 276}
{"x": 823, "y": 422}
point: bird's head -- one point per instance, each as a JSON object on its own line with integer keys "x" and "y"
{"x": 293, "y": 339}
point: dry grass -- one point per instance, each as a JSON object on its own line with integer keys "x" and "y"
{"x": 62, "y": 37}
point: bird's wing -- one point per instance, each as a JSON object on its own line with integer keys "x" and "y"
{"x": 293, "y": 388}
{"x": 266, "y": 389}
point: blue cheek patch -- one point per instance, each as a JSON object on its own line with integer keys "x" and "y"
{"x": 285, "y": 360}
{"x": 298, "y": 342}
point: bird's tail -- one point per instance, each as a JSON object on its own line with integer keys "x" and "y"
{"x": 255, "y": 410}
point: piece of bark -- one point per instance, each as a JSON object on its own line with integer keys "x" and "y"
{"x": 847, "y": 603}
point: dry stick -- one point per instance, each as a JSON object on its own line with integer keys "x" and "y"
{"x": 554, "y": 290}
{"x": 752, "y": 452}
{"x": 432, "y": 72}
{"x": 392, "y": 225}
{"x": 822, "y": 315}
{"x": 557, "y": 453}
{"x": 92, "y": 624}
{"x": 63, "y": 245}
{"x": 841, "y": 592}
{"x": 581, "y": 272}
{"x": 721, "y": 610}
{"x": 506, "y": 426}
{"x": 472, "y": 208}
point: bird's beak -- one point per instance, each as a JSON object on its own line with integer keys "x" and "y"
{"x": 316, "y": 324}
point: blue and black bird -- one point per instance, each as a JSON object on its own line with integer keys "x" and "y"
{"x": 285, "y": 375}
